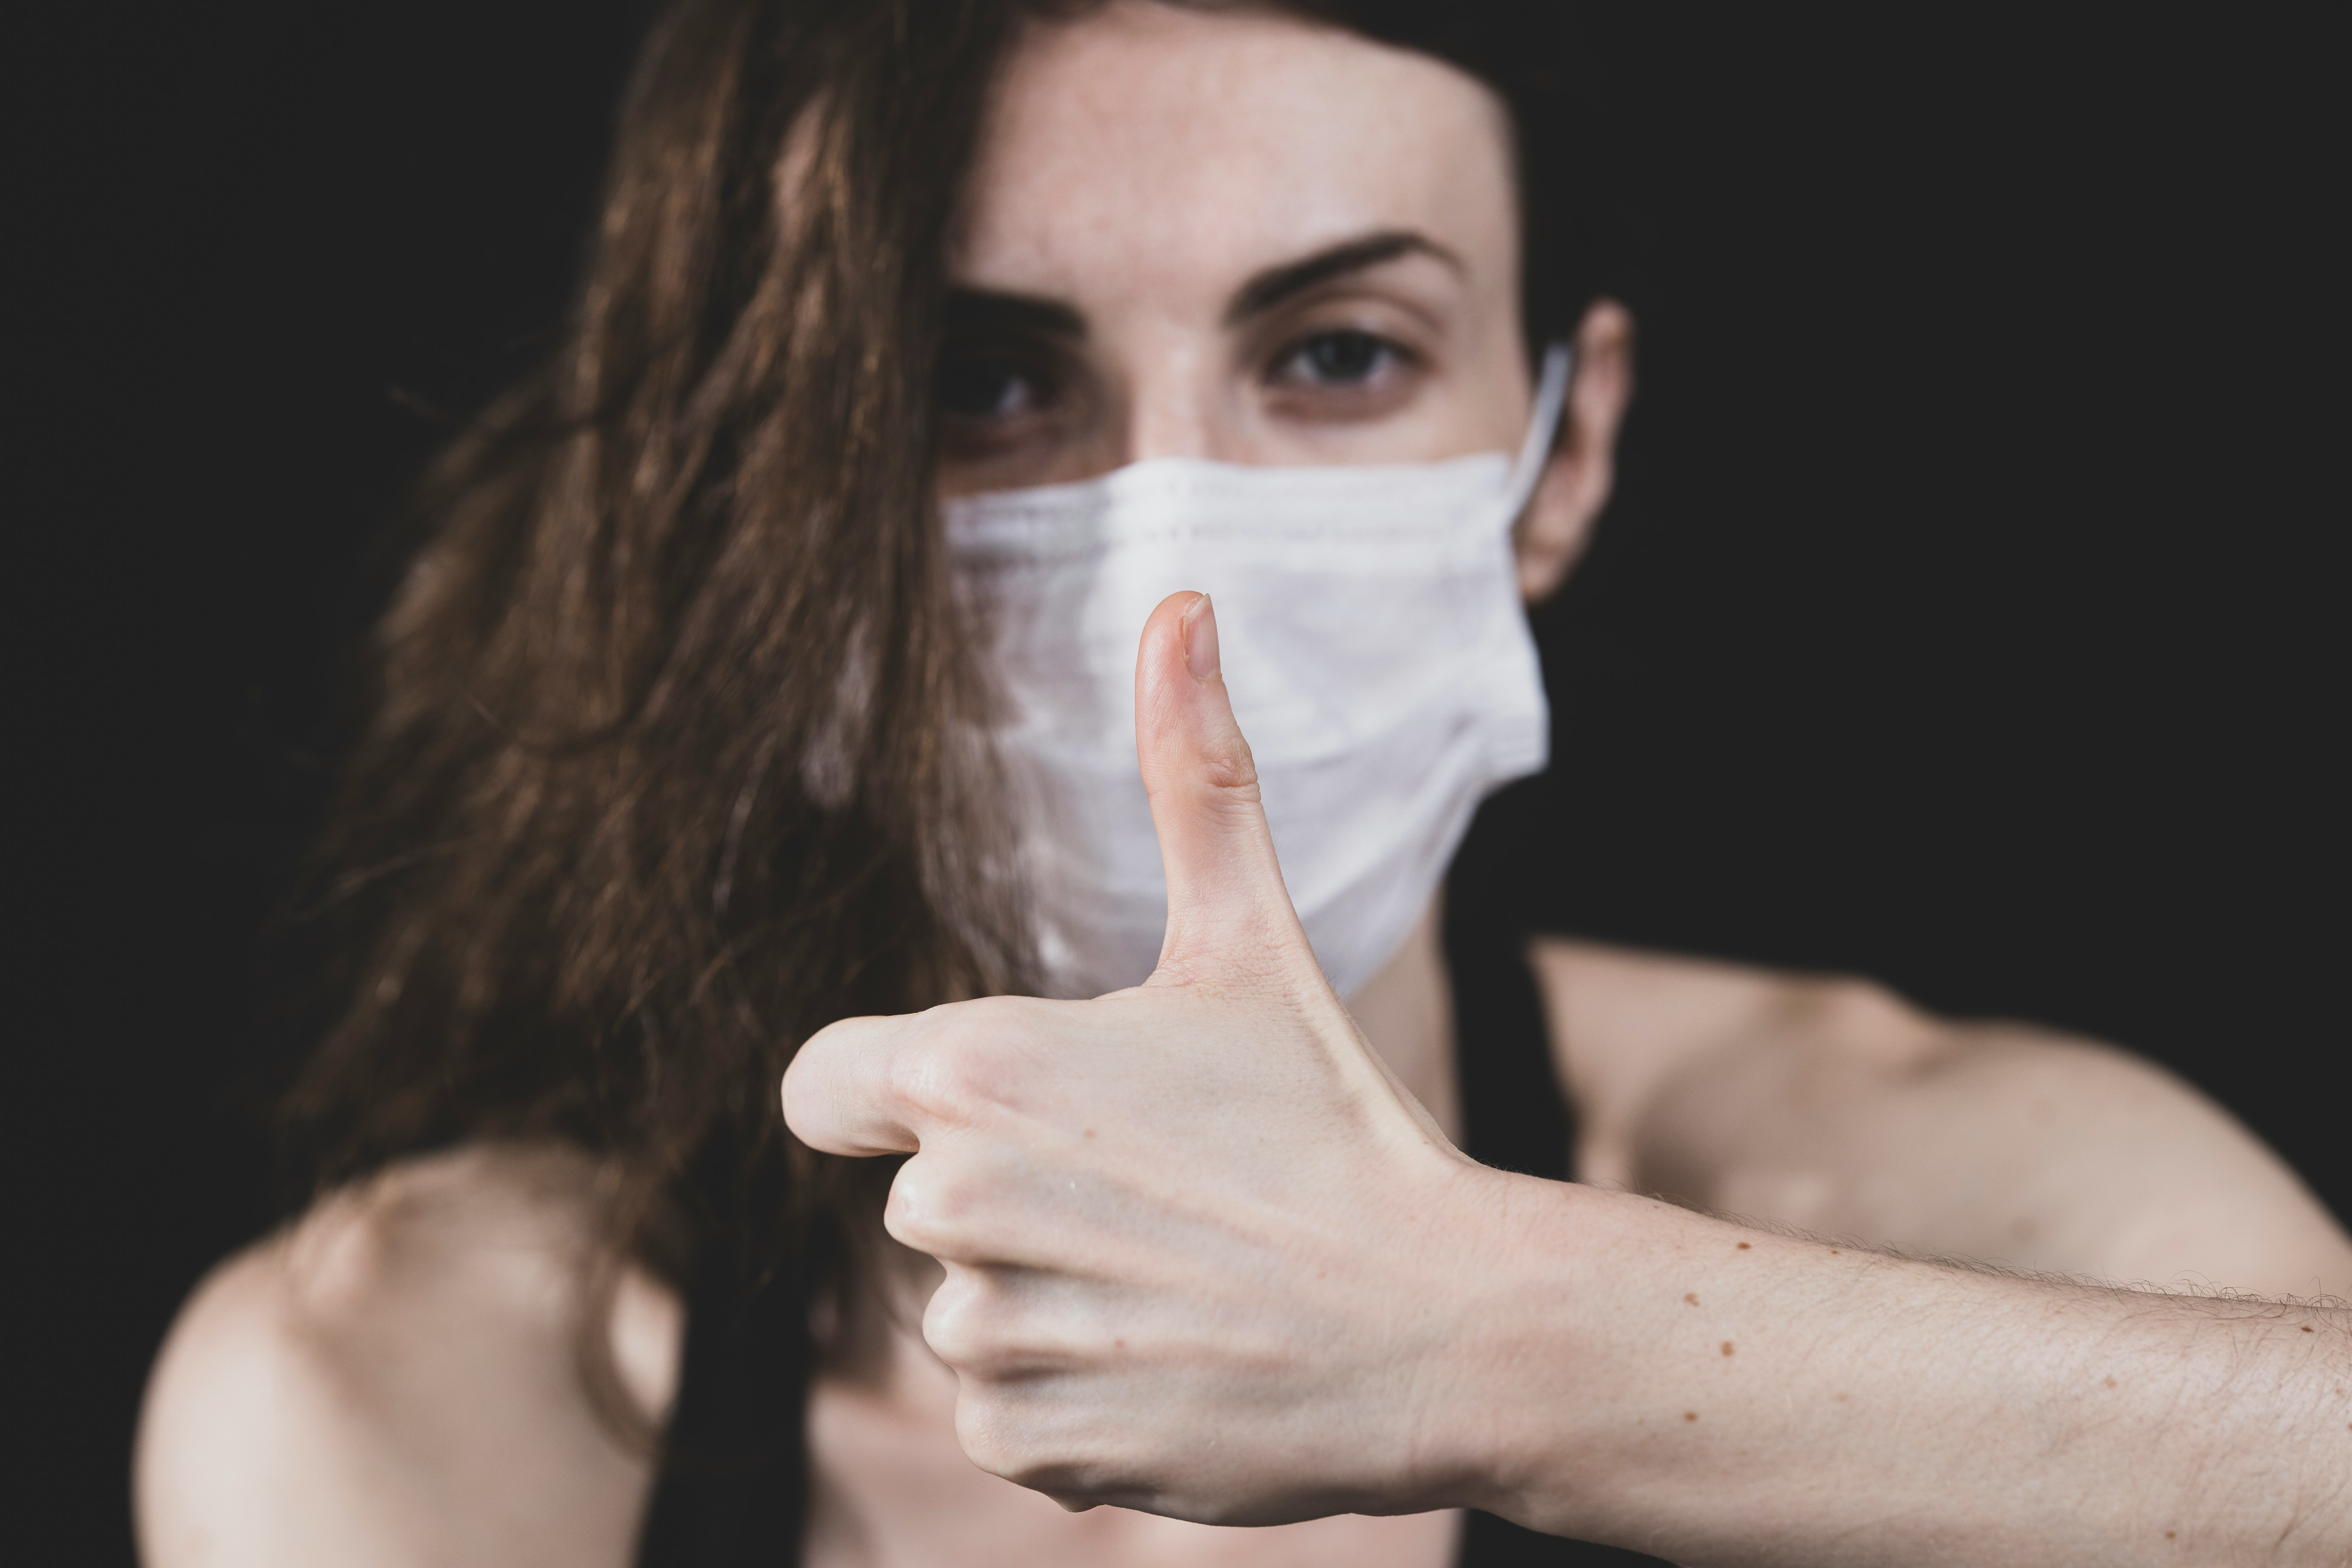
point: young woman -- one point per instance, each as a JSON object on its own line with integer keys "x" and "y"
{"x": 765, "y": 680}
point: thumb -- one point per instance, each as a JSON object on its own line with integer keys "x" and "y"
{"x": 1227, "y": 905}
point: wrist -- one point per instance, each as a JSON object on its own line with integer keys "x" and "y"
{"x": 1534, "y": 1357}
{"x": 1623, "y": 1370}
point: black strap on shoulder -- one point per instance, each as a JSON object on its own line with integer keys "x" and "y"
{"x": 733, "y": 1487}
{"x": 1514, "y": 1110}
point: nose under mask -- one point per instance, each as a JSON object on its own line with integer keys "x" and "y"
{"x": 1373, "y": 644}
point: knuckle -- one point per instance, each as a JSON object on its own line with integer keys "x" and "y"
{"x": 985, "y": 1325}
{"x": 929, "y": 1209}
{"x": 1006, "y": 1431}
{"x": 910, "y": 1216}
{"x": 1230, "y": 770}
{"x": 961, "y": 1062}
{"x": 961, "y": 1326}
{"x": 931, "y": 1078}
{"x": 980, "y": 1429}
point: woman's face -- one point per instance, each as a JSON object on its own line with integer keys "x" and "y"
{"x": 1237, "y": 237}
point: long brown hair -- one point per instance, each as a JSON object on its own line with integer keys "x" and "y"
{"x": 662, "y": 773}
{"x": 672, "y": 757}
{"x": 674, "y": 752}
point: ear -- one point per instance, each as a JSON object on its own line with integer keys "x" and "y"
{"x": 1553, "y": 531}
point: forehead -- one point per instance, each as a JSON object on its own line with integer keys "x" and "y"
{"x": 1150, "y": 151}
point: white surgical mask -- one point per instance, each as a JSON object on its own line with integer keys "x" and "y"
{"x": 1373, "y": 643}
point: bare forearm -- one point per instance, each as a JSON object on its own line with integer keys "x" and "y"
{"x": 1716, "y": 1394}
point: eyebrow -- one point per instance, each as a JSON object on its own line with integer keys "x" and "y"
{"x": 1271, "y": 287}
{"x": 974, "y": 310}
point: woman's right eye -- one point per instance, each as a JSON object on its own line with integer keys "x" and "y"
{"x": 989, "y": 387}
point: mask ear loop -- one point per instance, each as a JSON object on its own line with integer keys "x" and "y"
{"x": 1551, "y": 396}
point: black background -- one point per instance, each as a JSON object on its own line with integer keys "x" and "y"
{"x": 1967, "y": 616}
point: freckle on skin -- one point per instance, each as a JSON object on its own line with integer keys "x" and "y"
{"x": 1743, "y": 1246}
{"x": 1726, "y": 1347}
{"x": 1690, "y": 1414}
{"x": 1841, "y": 1398}
{"x": 2168, "y": 1534}
{"x": 2110, "y": 1382}
{"x": 1692, "y": 1296}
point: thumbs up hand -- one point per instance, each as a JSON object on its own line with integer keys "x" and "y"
{"x": 1199, "y": 1243}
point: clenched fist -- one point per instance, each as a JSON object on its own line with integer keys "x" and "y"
{"x": 1203, "y": 1251}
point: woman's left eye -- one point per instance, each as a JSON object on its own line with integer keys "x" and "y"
{"x": 1339, "y": 359}
{"x": 987, "y": 386}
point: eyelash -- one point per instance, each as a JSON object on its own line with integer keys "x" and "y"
{"x": 1288, "y": 368}
{"x": 969, "y": 365}
{"x": 1389, "y": 352}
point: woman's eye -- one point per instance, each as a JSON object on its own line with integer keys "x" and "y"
{"x": 1339, "y": 359}
{"x": 986, "y": 387}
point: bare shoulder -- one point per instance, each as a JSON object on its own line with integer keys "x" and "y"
{"x": 397, "y": 1377}
{"x": 1624, "y": 1021}
{"x": 1631, "y": 1028}
{"x": 1830, "y": 1104}
{"x": 1628, "y": 1025}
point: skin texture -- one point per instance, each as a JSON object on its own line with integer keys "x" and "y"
{"x": 1168, "y": 352}
{"x": 1207, "y": 1246}
{"x": 394, "y": 1381}
{"x": 1831, "y": 1106}
{"x": 1586, "y": 1361}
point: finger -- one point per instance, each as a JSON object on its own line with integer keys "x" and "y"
{"x": 1227, "y": 903}
{"x": 840, "y": 1093}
